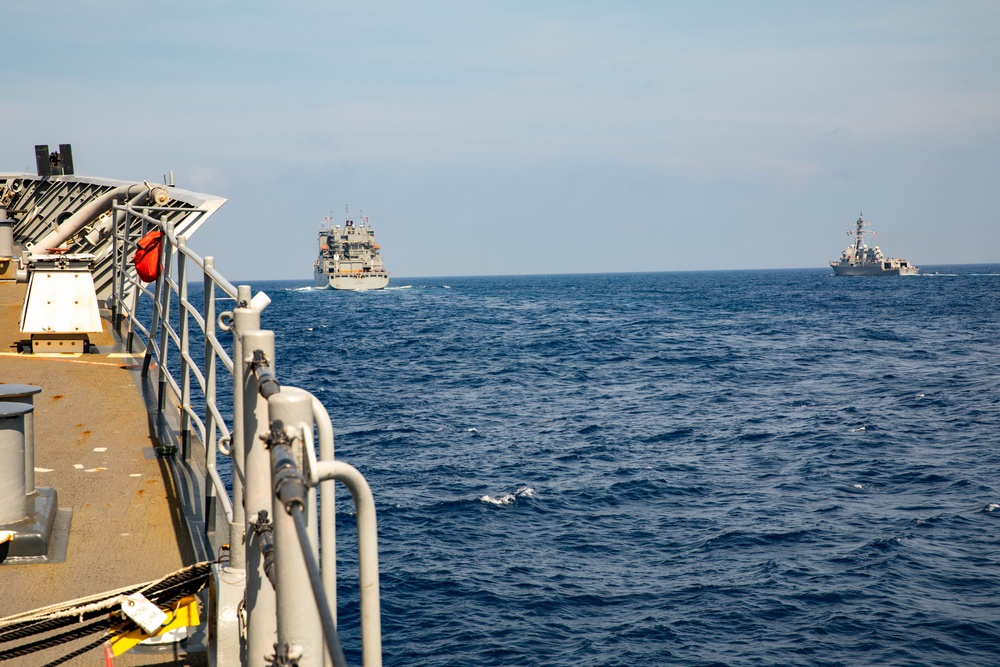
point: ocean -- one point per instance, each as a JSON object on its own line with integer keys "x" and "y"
{"x": 708, "y": 468}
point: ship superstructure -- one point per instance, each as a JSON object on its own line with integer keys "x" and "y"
{"x": 859, "y": 259}
{"x": 349, "y": 258}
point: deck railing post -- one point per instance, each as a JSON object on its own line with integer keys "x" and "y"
{"x": 116, "y": 274}
{"x": 245, "y": 319}
{"x": 185, "y": 345}
{"x": 211, "y": 429}
{"x": 166, "y": 258}
{"x": 134, "y": 289}
{"x": 299, "y": 625}
{"x": 260, "y": 601}
{"x": 154, "y": 325}
{"x": 231, "y": 615}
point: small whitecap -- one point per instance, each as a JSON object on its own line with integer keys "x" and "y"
{"x": 859, "y": 429}
{"x": 859, "y": 486}
{"x": 309, "y": 328}
{"x": 525, "y": 492}
{"x": 471, "y": 430}
{"x": 505, "y": 499}
{"x": 920, "y": 395}
{"x": 992, "y": 506}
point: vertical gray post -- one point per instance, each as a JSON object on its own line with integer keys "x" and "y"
{"x": 134, "y": 290}
{"x": 185, "y": 347}
{"x": 211, "y": 428}
{"x": 12, "y": 500}
{"x": 261, "y": 615}
{"x": 25, "y": 393}
{"x": 244, "y": 319}
{"x": 299, "y": 624}
{"x": 230, "y": 645}
{"x": 116, "y": 288}
{"x": 164, "y": 308}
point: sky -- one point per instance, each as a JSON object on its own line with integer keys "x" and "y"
{"x": 531, "y": 137}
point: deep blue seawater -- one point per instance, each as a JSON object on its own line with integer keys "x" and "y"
{"x": 713, "y": 468}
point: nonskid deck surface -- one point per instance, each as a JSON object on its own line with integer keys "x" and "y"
{"x": 93, "y": 446}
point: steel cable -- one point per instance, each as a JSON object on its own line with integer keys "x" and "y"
{"x": 163, "y": 592}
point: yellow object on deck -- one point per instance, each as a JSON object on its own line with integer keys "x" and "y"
{"x": 183, "y": 615}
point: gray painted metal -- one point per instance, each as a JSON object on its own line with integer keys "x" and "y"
{"x": 25, "y": 393}
{"x": 6, "y": 235}
{"x": 349, "y": 258}
{"x": 299, "y": 626}
{"x": 858, "y": 259}
{"x": 262, "y": 628}
{"x": 368, "y": 579}
{"x": 239, "y": 586}
{"x": 12, "y": 495}
{"x": 39, "y": 205}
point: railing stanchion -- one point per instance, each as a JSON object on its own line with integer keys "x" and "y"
{"x": 299, "y": 622}
{"x": 155, "y": 321}
{"x": 116, "y": 275}
{"x": 185, "y": 346}
{"x": 259, "y": 604}
{"x": 163, "y": 285}
{"x": 244, "y": 319}
{"x": 211, "y": 429}
{"x": 261, "y": 618}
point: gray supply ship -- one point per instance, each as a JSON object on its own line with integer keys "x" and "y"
{"x": 860, "y": 260}
{"x": 349, "y": 258}
{"x": 123, "y": 405}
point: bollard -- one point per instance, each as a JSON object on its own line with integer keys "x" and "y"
{"x": 12, "y": 496}
{"x": 24, "y": 393}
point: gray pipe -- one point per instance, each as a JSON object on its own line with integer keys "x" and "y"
{"x": 91, "y": 210}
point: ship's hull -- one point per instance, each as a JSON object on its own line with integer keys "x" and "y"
{"x": 363, "y": 281}
{"x": 872, "y": 270}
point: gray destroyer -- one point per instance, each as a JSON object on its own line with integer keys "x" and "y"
{"x": 349, "y": 257}
{"x": 860, "y": 260}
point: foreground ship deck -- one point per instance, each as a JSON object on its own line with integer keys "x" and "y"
{"x": 118, "y": 499}
{"x": 131, "y": 426}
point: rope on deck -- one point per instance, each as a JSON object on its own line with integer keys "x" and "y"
{"x": 163, "y": 592}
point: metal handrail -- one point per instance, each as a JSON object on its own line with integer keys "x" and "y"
{"x": 170, "y": 326}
